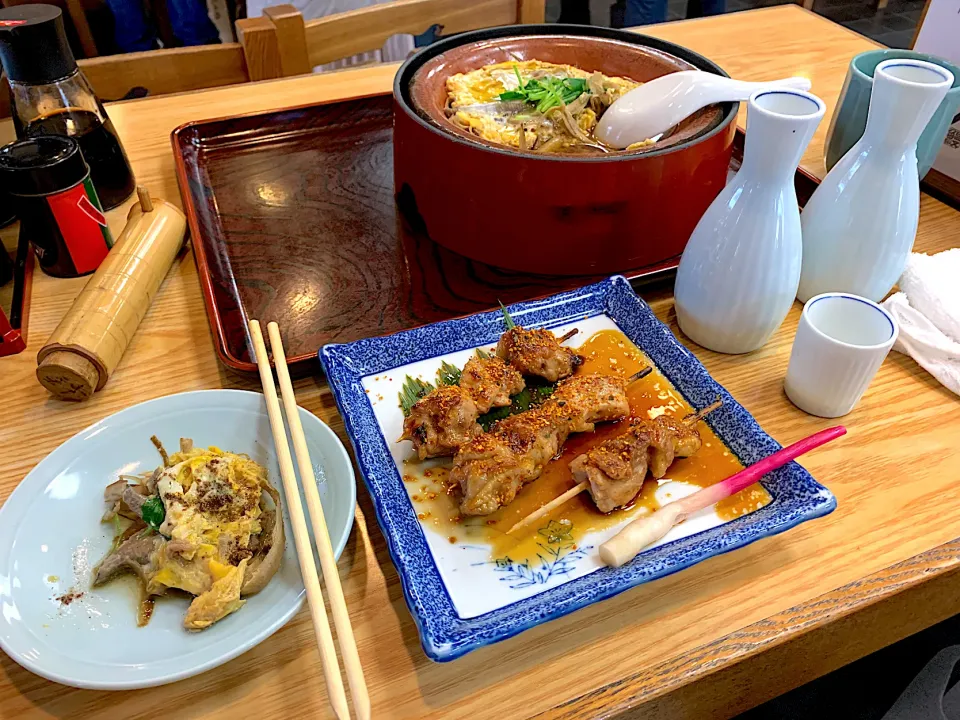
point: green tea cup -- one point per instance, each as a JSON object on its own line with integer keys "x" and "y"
{"x": 850, "y": 116}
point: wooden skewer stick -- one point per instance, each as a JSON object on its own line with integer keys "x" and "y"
{"x": 301, "y": 536}
{"x": 694, "y": 418}
{"x": 640, "y": 375}
{"x": 328, "y": 563}
{"x": 550, "y": 506}
{"x": 567, "y": 335}
{"x": 691, "y": 419}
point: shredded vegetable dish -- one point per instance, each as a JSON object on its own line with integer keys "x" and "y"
{"x": 205, "y": 522}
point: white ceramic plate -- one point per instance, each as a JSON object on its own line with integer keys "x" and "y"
{"x": 51, "y": 538}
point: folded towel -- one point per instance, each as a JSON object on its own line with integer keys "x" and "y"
{"x": 928, "y": 311}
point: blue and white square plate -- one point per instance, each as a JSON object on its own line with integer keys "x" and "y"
{"x": 461, "y": 594}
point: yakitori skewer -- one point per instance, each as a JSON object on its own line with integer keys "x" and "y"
{"x": 646, "y": 530}
{"x": 445, "y": 419}
{"x": 492, "y": 467}
{"x": 691, "y": 420}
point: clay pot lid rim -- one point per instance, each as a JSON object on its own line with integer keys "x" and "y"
{"x": 410, "y": 67}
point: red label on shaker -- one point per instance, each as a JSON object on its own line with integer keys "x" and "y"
{"x": 83, "y": 225}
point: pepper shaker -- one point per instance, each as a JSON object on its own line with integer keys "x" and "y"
{"x": 60, "y": 213}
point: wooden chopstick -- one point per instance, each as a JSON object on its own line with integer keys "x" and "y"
{"x": 328, "y": 563}
{"x": 301, "y": 536}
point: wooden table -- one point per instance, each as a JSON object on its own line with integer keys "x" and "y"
{"x": 707, "y": 642}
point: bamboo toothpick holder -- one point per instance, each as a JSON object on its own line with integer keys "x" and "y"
{"x": 87, "y": 345}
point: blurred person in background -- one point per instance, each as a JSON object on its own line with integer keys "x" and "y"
{"x": 574, "y": 12}
{"x": 648, "y": 12}
{"x": 628, "y": 13}
{"x": 189, "y": 21}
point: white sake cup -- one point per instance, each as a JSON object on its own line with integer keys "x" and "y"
{"x": 840, "y": 344}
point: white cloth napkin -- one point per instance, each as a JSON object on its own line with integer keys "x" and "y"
{"x": 928, "y": 311}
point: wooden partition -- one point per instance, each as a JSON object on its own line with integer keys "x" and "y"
{"x": 167, "y": 71}
{"x": 282, "y": 43}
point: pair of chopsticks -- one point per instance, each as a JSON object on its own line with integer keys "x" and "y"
{"x": 301, "y": 535}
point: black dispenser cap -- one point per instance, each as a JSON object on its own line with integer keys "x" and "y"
{"x": 33, "y": 44}
{"x": 41, "y": 166}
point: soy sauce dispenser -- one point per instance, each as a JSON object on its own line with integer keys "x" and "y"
{"x": 50, "y": 96}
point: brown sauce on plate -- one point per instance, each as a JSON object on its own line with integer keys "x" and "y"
{"x": 145, "y": 609}
{"x": 607, "y": 352}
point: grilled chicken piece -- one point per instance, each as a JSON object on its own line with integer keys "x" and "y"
{"x": 617, "y": 468}
{"x": 446, "y": 419}
{"x": 488, "y": 473}
{"x": 670, "y": 439}
{"x": 492, "y": 468}
{"x": 490, "y": 382}
{"x": 595, "y": 398}
{"x": 537, "y": 352}
{"x": 442, "y": 422}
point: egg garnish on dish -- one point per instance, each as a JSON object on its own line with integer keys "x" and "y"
{"x": 533, "y": 105}
{"x": 205, "y": 523}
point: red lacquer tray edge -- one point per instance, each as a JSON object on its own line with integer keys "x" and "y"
{"x": 190, "y": 210}
{"x": 651, "y": 273}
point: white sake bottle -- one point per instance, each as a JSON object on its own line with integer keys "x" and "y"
{"x": 739, "y": 272}
{"x": 860, "y": 224}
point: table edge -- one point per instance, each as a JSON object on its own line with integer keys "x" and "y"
{"x": 628, "y": 694}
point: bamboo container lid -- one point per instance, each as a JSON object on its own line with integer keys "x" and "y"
{"x": 87, "y": 345}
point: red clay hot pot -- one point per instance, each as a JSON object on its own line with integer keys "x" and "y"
{"x": 555, "y": 214}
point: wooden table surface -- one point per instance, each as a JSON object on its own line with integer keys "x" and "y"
{"x": 707, "y": 642}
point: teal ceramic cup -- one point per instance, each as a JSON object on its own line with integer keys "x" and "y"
{"x": 850, "y": 116}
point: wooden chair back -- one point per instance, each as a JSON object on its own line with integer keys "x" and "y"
{"x": 167, "y": 71}
{"x": 160, "y": 72}
{"x": 281, "y": 43}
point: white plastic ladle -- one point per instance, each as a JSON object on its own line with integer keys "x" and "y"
{"x": 658, "y": 105}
